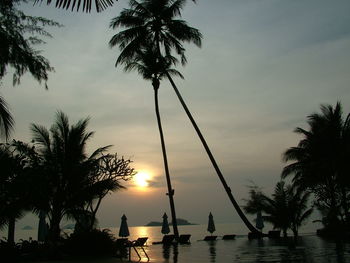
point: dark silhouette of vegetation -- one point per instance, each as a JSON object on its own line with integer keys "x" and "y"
{"x": 14, "y": 181}
{"x": 100, "y": 5}
{"x": 90, "y": 243}
{"x": 287, "y": 209}
{"x": 19, "y": 33}
{"x": 152, "y": 33}
{"x": 154, "y": 23}
{"x": 6, "y": 120}
{"x": 70, "y": 180}
{"x": 54, "y": 175}
{"x": 85, "y": 5}
{"x": 319, "y": 163}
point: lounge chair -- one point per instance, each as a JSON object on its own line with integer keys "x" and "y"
{"x": 210, "y": 238}
{"x": 228, "y": 237}
{"x": 138, "y": 244}
{"x": 167, "y": 240}
{"x": 184, "y": 239}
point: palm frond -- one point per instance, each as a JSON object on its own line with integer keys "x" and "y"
{"x": 100, "y": 5}
{"x": 6, "y": 120}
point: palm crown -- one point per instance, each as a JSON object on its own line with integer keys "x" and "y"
{"x": 153, "y": 22}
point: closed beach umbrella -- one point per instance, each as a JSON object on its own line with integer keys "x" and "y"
{"x": 165, "y": 225}
{"x": 43, "y": 228}
{"x": 124, "y": 229}
{"x": 211, "y": 225}
{"x": 259, "y": 221}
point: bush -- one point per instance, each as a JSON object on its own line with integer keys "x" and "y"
{"x": 94, "y": 242}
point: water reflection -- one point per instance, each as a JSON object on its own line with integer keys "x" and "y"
{"x": 170, "y": 249}
{"x": 212, "y": 251}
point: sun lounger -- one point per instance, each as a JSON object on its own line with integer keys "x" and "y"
{"x": 184, "y": 239}
{"x": 228, "y": 237}
{"x": 138, "y": 244}
{"x": 167, "y": 240}
{"x": 210, "y": 238}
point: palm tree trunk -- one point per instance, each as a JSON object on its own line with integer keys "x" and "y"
{"x": 212, "y": 159}
{"x": 11, "y": 231}
{"x": 170, "y": 190}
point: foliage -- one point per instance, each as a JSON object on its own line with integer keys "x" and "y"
{"x": 287, "y": 209}
{"x": 88, "y": 243}
{"x": 68, "y": 179}
{"x": 6, "y": 120}
{"x": 153, "y": 23}
{"x": 100, "y": 5}
{"x": 14, "y": 181}
{"x": 19, "y": 33}
{"x": 320, "y": 163}
{"x": 152, "y": 32}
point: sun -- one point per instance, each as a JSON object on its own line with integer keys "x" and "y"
{"x": 141, "y": 179}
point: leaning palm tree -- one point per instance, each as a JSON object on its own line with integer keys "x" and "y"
{"x": 156, "y": 22}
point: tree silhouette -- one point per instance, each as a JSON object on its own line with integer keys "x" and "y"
{"x": 287, "y": 209}
{"x": 156, "y": 22}
{"x": 147, "y": 63}
{"x": 320, "y": 162}
{"x": 152, "y": 27}
{"x": 66, "y": 172}
{"x": 19, "y": 34}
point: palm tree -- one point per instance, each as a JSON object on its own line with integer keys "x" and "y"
{"x": 14, "y": 193}
{"x": 319, "y": 162}
{"x": 147, "y": 30}
{"x": 6, "y": 120}
{"x": 287, "y": 209}
{"x": 298, "y": 208}
{"x": 151, "y": 67}
{"x": 155, "y": 21}
{"x": 64, "y": 172}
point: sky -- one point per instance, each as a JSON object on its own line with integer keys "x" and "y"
{"x": 263, "y": 67}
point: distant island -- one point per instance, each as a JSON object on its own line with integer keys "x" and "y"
{"x": 27, "y": 228}
{"x": 180, "y": 222}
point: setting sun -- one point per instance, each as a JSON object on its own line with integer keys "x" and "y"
{"x": 142, "y": 178}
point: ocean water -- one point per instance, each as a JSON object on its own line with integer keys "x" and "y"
{"x": 309, "y": 248}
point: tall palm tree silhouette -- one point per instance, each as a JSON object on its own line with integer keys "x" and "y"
{"x": 146, "y": 29}
{"x": 320, "y": 160}
{"x": 156, "y": 22}
{"x": 147, "y": 63}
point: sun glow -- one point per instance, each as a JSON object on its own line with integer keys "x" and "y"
{"x": 141, "y": 179}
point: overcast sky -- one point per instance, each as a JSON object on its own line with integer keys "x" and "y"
{"x": 263, "y": 67}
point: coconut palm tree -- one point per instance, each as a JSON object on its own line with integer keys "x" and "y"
{"x": 287, "y": 209}
{"x": 154, "y": 68}
{"x": 298, "y": 208}
{"x": 64, "y": 172}
{"x": 14, "y": 186}
{"x": 155, "y": 22}
{"x": 319, "y": 161}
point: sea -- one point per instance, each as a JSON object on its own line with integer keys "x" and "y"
{"x": 307, "y": 248}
